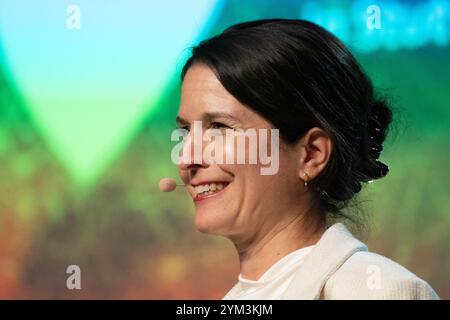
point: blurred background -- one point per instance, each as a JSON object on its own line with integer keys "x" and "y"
{"x": 89, "y": 90}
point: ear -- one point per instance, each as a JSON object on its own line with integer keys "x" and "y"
{"x": 314, "y": 150}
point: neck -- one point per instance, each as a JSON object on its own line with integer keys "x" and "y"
{"x": 260, "y": 253}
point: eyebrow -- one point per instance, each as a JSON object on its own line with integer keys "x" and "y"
{"x": 208, "y": 116}
{"x": 180, "y": 121}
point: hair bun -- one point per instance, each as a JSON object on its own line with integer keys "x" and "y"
{"x": 379, "y": 119}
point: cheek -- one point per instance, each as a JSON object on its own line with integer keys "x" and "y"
{"x": 238, "y": 150}
{"x": 239, "y": 165}
{"x": 229, "y": 151}
{"x": 237, "y": 162}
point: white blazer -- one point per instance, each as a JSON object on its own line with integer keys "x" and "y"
{"x": 341, "y": 267}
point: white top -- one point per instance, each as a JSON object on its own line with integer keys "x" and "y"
{"x": 339, "y": 266}
{"x": 274, "y": 282}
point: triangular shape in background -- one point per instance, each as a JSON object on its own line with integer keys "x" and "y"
{"x": 87, "y": 89}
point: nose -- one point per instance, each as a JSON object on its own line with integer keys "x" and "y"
{"x": 191, "y": 156}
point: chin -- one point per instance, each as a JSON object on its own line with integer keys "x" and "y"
{"x": 206, "y": 223}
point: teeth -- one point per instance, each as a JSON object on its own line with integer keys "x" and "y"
{"x": 206, "y": 189}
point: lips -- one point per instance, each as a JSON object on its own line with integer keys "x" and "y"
{"x": 205, "y": 190}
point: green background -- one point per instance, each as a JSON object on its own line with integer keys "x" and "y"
{"x": 85, "y": 123}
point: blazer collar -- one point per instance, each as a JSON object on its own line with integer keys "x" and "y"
{"x": 335, "y": 246}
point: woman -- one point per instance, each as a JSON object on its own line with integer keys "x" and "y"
{"x": 294, "y": 76}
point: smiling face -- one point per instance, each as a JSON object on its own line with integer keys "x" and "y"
{"x": 233, "y": 200}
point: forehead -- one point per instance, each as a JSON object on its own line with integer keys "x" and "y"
{"x": 202, "y": 89}
{"x": 200, "y": 79}
{"x": 202, "y": 93}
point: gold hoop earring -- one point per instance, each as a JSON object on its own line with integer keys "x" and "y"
{"x": 305, "y": 179}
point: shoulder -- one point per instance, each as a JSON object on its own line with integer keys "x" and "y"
{"x": 367, "y": 275}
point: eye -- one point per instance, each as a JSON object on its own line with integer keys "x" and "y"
{"x": 219, "y": 125}
{"x": 182, "y": 128}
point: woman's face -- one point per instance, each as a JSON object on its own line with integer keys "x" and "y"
{"x": 241, "y": 202}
